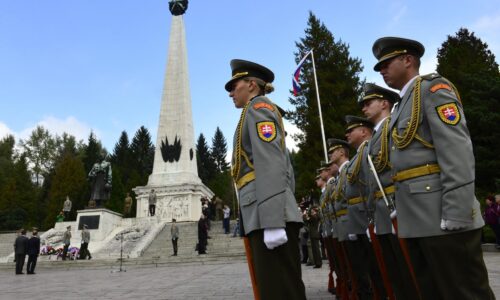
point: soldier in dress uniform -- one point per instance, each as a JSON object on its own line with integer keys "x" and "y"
{"x": 433, "y": 174}
{"x": 338, "y": 151}
{"x": 358, "y": 132}
{"x": 376, "y": 105}
{"x": 264, "y": 178}
{"x": 326, "y": 212}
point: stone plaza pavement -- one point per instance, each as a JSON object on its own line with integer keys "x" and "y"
{"x": 211, "y": 280}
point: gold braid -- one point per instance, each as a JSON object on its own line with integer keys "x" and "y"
{"x": 382, "y": 159}
{"x": 402, "y": 141}
{"x": 351, "y": 178}
{"x": 235, "y": 170}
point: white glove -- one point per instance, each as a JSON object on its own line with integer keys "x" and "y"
{"x": 274, "y": 237}
{"x": 452, "y": 225}
{"x": 368, "y": 235}
{"x": 393, "y": 230}
{"x": 394, "y": 214}
{"x": 352, "y": 237}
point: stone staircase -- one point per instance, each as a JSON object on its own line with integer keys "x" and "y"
{"x": 219, "y": 245}
{"x": 7, "y": 243}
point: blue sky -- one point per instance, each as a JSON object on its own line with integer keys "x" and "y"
{"x": 84, "y": 65}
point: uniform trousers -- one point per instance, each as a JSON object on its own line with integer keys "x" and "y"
{"x": 30, "y": 267}
{"x": 316, "y": 252}
{"x": 20, "y": 258}
{"x": 397, "y": 268}
{"x": 450, "y": 266}
{"x": 364, "y": 266}
{"x": 278, "y": 272}
{"x": 174, "y": 244}
{"x": 328, "y": 241}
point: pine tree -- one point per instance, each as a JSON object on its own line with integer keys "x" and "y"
{"x": 92, "y": 152}
{"x": 206, "y": 164}
{"x": 468, "y": 63}
{"x": 339, "y": 88}
{"x": 219, "y": 151}
{"x": 142, "y": 152}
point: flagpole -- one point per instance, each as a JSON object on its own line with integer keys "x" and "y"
{"x": 319, "y": 108}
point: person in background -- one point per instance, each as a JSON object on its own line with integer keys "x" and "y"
{"x": 33, "y": 251}
{"x": 202, "y": 235}
{"x": 20, "y": 250}
{"x": 225, "y": 222}
{"x": 60, "y": 217}
{"x": 152, "y": 203}
{"x": 491, "y": 218}
{"x": 66, "y": 241}
{"x": 174, "y": 233}
{"x": 67, "y": 208}
{"x": 84, "y": 249}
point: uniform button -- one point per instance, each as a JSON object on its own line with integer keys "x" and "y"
{"x": 393, "y": 148}
{"x": 428, "y": 188}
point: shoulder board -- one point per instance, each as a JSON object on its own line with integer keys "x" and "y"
{"x": 265, "y": 105}
{"x": 431, "y": 76}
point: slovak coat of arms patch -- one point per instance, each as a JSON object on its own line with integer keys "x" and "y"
{"x": 266, "y": 131}
{"x": 449, "y": 113}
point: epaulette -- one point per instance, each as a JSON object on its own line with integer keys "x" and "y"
{"x": 431, "y": 76}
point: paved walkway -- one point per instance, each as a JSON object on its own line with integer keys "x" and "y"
{"x": 217, "y": 280}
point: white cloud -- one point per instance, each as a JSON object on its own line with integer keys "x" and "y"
{"x": 488, "y": 23}
{"x": 5, "y": 130}
{"x": 428, "y": 64}
{"x": 57, "y": 126}
{"x": 291, "y": 130}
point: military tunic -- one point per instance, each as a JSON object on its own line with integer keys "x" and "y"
{"x": 433, "y": 170}
{"x": 264, "y": 177}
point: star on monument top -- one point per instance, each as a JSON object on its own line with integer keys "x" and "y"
{"x": 178, "y": 7}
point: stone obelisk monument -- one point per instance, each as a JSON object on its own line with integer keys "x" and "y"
{"x": 175, "y": 176}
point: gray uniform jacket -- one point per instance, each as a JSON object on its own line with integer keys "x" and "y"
{"x": 152, "y": 198}
{"x": 174, "y": 231}
{"x": 326, "y": 209}
{"x": 357, "y": 212}
{"x": 67, "y": 237}
{"x": 261, "y": 168}
{"x": 85, "y": 236}
{"x": 340, "y": 204}
{"x": 383, "y": 224}
{"x": 423, "y": 201}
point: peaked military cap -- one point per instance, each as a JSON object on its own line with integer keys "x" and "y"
{"x": 389, "y": 47}
{"x": 353, "y": 122}
{"x": 244, "y": 68}
{"x": 334, "y": 144}
{"x": 373, "y": 91}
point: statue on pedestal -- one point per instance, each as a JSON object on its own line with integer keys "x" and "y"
{"x": 100, "y": 177}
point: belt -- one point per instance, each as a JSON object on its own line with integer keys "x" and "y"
{"x": 416, "y": 172}
{"x": 245, "y": 179}
{"x": 356, "y": 200}
{"x": 341, "y": 212}
{"x": 388, "y": 190}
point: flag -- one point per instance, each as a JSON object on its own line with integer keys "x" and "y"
{"x": 296, "y": 75}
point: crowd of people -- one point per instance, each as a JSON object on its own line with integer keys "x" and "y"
{"x": 397, "y": 213}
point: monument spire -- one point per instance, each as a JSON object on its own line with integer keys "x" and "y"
{"x": 175, "y": 173}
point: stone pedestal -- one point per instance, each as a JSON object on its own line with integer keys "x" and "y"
{"x": 101, "y": 222}
{"x": 180, "y": 202}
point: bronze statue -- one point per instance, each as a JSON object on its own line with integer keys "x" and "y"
{"x": 100, "y": 177}
{"x": 178, "y": 7}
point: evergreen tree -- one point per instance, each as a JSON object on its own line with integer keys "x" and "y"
{"x": 205, "y": 162}
{"x": 339, "y": 88}
{"x": 69, "y": 179}
{"x": 93, "y": 152}
{"x": 143, "y": 153}
{"x": 219, "y": 151}
{"x": 468, "y": 63}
